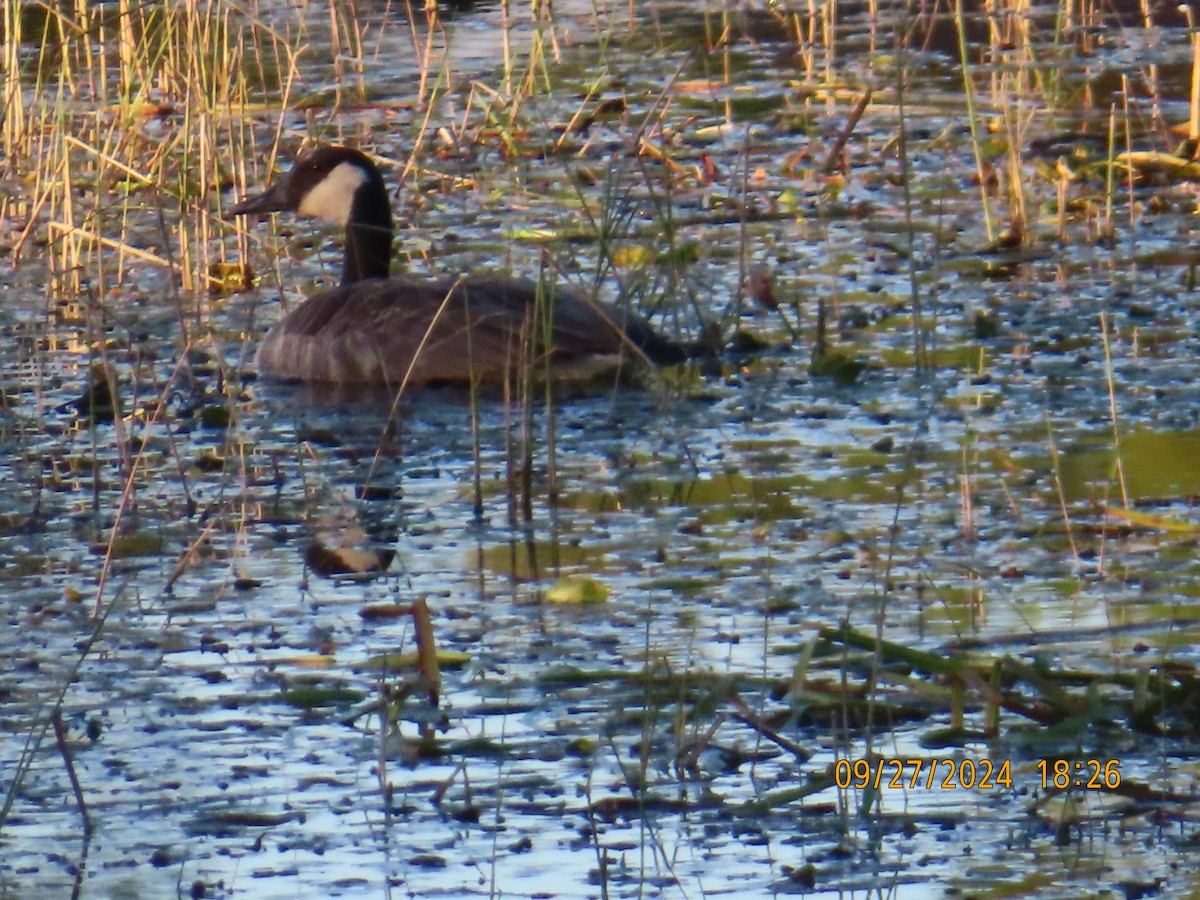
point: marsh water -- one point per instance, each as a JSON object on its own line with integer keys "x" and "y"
{"x": 637, "y": 589}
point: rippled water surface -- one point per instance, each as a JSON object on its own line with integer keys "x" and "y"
{"x": 981, "y": 549}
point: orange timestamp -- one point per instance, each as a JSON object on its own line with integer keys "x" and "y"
{"x": 1089, "y": 774}
{"x": 970, "y": 774}
{"x": 931, "y": 774}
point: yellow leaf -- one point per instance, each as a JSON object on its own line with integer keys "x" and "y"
{"x": 308, "y": 661}
{"x": 1166, "y": 163}
{"x": 579, "y": 589}
{"x": 398, "y": 662}
{"x": 631, "y": 257}
{"x": 1148, "y": 520}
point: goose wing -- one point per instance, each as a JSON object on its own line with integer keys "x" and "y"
{"x": 397, "y": 331}
{"x": 576, "y": 326}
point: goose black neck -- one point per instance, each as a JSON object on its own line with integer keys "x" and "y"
{"x": 368, "y": 235}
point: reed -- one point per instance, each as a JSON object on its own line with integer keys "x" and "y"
{"x": 973, "y": 118}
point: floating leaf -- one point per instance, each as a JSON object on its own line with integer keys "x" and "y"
{"x": 578, "y": 589}
{"x": 698, "y": 86}
{"x": 841, "y": 367}
{"x": 1148, "y": 520}
{"x": 215, "y": 417}
{"x": 681, "y": 255}
{"x": 378, "y": 611}
{"x": 316, "y": 696}
{"x": 128, "y": 545}
{"x": 330, "y": 561}
{"x": 309, "y": 661}
{"x": 632, "y": 257}
{"x": 209, "y": 461}
{"x": 225, "y": 278}
{"x": 993, "y": 148}
{"x": 743, "y": 341}
{"x": 613, "y": 106}
{"x": 147, "y": 109}
{"x": 403, "y": 662}
{"x": 319, "y": 99}
{"x": 227, "y": 823}
{"x": 941, "y": 738}
{"x": 533, "y": 234}
{"x": 126, "y": 186}
{"x": 1152, "y": 162}
{"x": 98, "y": 402}
{"x": 985, "y": 325}
{"x": 346, "y": 553}
{"x": 710, "y": 133}
{"x": 377, "y": 492}
{"x": 323, "y": 437}
{"x": 583, "y": 746}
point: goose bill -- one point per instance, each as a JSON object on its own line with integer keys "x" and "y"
{"x": 271, "y": 200}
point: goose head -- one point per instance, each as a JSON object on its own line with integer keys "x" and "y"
{"x": 343, "y": 186}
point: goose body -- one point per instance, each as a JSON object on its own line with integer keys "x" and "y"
{"x": 374, "y": 329}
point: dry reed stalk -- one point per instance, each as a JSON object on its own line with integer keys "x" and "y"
{"x": 1114, "y": 418}
{"x": 1194, "y": 95}
{"x": 13, "y": 131}
{"x": 973, "y": 119}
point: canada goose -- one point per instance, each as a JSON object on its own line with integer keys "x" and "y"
{"x": 398, "y": 331}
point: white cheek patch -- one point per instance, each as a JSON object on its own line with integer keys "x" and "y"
{"x": 333, "y": 195}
